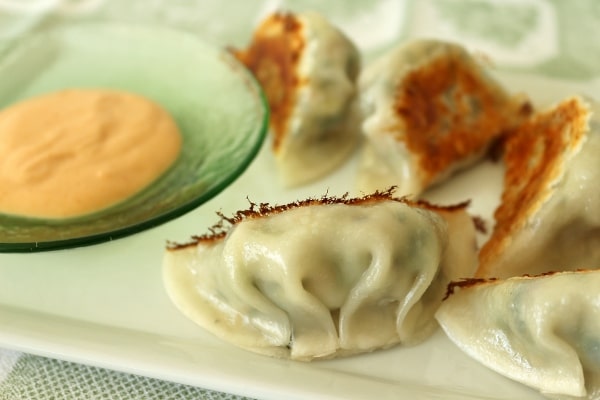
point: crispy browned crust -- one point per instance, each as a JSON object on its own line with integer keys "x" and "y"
{"x": 260, "y": 210}
{"x": 273, "y": 57}
{"x": 441, "y": 136}
{"x": 480, "y": 224}
{"x": 535, "y": 156}
{"x": 467, "y": 283}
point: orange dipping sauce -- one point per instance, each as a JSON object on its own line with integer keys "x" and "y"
{"x": 75, "y": 152}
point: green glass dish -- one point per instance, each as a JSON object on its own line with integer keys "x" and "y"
{"x": 218, "y": 106}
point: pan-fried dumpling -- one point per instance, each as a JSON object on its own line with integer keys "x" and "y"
{"x": 307, "y": 68}
{"x": 429, "y": 110}
{"x": 323, "y": 278}
{"x": 542, "y": 331}
{"x": 549, "y": 216}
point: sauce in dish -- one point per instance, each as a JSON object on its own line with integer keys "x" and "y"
{"x": 75, "y": 152}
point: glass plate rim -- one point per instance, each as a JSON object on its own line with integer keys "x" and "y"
{"x": 261, "y": 129}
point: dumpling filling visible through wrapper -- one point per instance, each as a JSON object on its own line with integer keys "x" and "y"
{"x": 323, "y": 278}
{"x": 542, "y": 331}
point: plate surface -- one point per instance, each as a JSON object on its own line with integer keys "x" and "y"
{"x": 105, "y": 305}
{"x": 217, "y": 105}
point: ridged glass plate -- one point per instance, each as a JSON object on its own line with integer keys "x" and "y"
{"x": 217, "y": 105}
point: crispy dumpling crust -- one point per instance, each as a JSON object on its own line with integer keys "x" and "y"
{"x": 273, "y": 56}
{"x": 430, "y": 109}
{"x": 536, "y": 155}
{"x": 449, "y": 110}
{"x": 308, "y": 70}
{"x": 261, "y": 210}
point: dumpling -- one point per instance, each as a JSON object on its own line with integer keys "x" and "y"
{"x": 323, "y": 277}
{"x": 429, "y": 110}
{"x": 542, "y": 331}
{"x": 549, "y": 216}
{"x": 308, "y": 70}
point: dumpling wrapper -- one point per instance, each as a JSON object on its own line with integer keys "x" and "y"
{"x": 542, "y": 331}
{"x": 429, "y": 109}
{"x": 549, "y": 216}
{"x": 308, "y": 70}
{"x": 323, "y": 278}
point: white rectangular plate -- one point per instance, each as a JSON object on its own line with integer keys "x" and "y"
{"x": 105, "y": 305}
